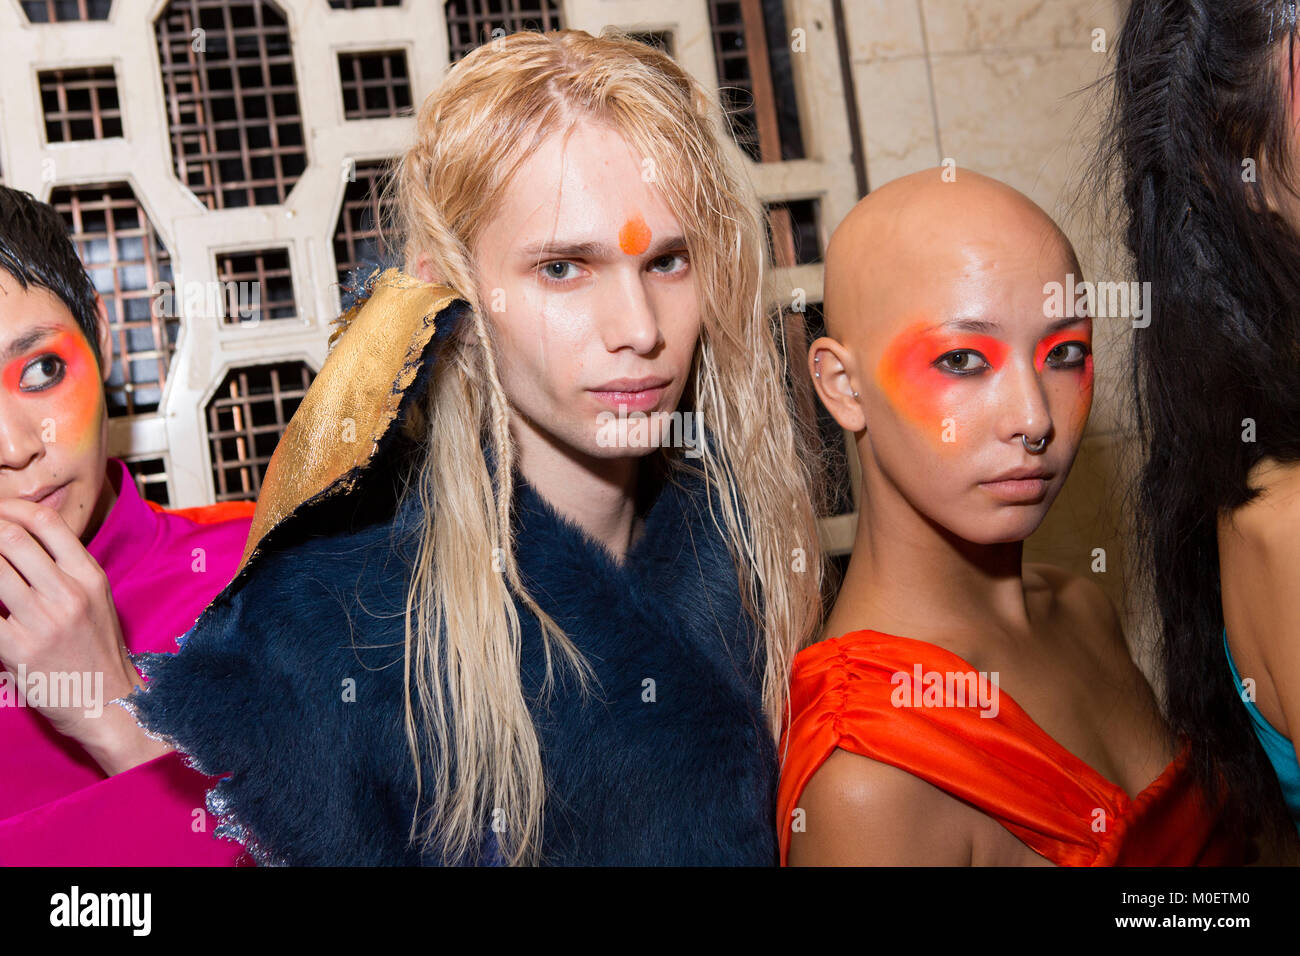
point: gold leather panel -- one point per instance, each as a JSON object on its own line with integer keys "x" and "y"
{"x": 349, "y": 407}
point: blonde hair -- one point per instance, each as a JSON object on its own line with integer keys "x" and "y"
{"x": 465, "y": 707}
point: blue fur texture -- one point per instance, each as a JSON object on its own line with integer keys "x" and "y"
{"x": 668, "y": 762}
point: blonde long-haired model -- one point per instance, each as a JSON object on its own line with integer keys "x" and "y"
{"x": 606, "y": 148}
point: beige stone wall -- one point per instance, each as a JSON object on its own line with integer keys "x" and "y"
{"x": 1003, "y": 87}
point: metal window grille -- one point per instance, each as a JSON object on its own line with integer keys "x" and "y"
{"x": 80, "y": 104}
{"x": 375, "y": 84}
{"x": 246, "y": 418}
{"x": 470, "y": 22}
{"x": 660, "y": 39}
{"x": 794, "y": 228}
{"x": 232, "y": 100}
{"x": 64, "y": 11}
{"x": 125, "y": 260}
{"x": 755, "y": 77}
{"x": 150, "y": 476}
{"x": 257, "y": 285}
{"x": 357, "y": 236}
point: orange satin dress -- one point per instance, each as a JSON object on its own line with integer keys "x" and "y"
{"x": 1006, "y": 766}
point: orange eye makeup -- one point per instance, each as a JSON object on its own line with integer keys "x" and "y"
{"x": 1050, "y": 342}
{"x": 1083, "y": 369}
{"x": 634, "y": 237}
{"x": 62, "y": 373}
{"x": 914, "y": 383}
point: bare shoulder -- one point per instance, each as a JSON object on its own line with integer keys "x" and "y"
{"x": 1259, "y": 565}
{"x": 861, "y": 812}
{"x": 1085, "y": 606}
{"x": 1259, "y": 554}
{"x": 1270, "y": 524}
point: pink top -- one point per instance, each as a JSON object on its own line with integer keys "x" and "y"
{"x": 57, "y": 807}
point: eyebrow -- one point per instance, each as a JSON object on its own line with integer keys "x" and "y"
{"x": 28, "y": 339}
{"x": 570, "y": 249}
{"x": 984, "y": 327}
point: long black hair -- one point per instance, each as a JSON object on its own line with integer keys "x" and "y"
{"x": 1198, "y": 139}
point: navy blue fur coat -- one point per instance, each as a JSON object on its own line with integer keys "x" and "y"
{"x": 257, "y": 692}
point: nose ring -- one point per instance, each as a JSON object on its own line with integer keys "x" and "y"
{"x": 1034, "y": 448}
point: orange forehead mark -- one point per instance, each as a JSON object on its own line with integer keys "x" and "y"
{"x": 634, "y": 237}
{"x": 75, "y": 400}
{"x": 911, "y": 382}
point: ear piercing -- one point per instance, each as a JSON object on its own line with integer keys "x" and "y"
{"x": 1034, "y": 448}
{"x": 817, "y": 360}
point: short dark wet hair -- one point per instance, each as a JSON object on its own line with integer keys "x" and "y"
{"x": 35, "y": 250}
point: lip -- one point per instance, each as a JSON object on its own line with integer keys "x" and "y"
{"x": 634, "y": 394}
{"x": 1025, "y": 485}
{"x": 1024, "y": 471}
{"x": 51, "y": 496}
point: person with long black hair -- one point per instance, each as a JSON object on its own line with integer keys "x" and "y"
{"x": 1203, "y": 144}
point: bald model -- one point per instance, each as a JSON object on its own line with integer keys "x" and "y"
{"x": 968, "y": 396}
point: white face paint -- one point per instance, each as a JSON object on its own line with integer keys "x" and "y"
{"x": 580, "y": 312}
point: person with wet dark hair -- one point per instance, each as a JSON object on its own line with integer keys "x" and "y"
{"x": 35, "y": 251}
{"x": 1203, "y": 145}
{"x": 90, "y": 573}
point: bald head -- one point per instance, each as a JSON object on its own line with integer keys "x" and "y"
{"x": 900, "y": 244}
{"x": 947, "y": 357}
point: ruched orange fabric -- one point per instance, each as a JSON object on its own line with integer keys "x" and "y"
{"x": 1006, "y": 766}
